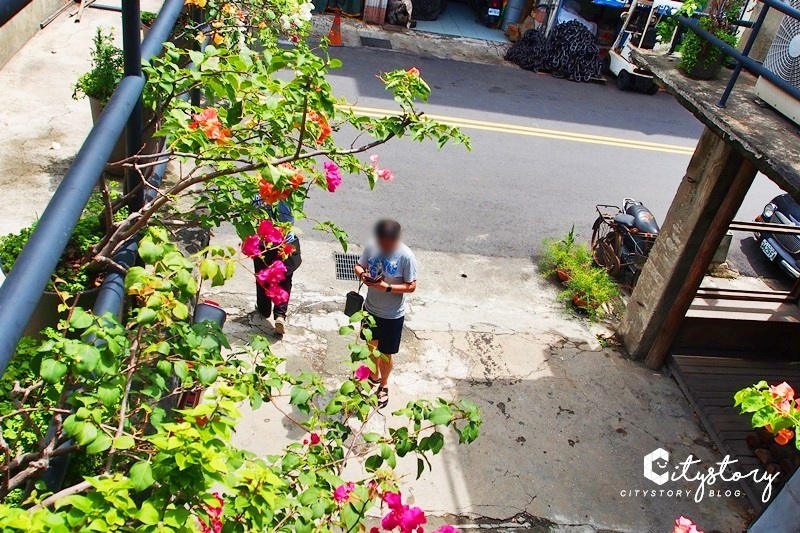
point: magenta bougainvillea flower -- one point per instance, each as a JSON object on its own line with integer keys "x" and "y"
{"x": 446, "y": 529}
{"x": 272, "y": 275}
{"x": 277, "y": 294}
{"x": 407, "y": 519}
{"x": 251, "y": 247}
{"x": 315, "y": 439}
{"x": 269, "y": 232}
{"x": 333, "y": 177}
{"x": 342, "y": 492}
{"x": 363, "y": 372}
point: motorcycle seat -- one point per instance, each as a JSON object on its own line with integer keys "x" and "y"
{"x": 625, "y": 220}
{"x": 644, "y": 220}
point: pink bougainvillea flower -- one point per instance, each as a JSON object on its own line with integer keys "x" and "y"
{"x": 783, "y": 391}
{"x": 385, "y": 174}
{"x": 342, "y": 492}
{"x": 374, "y": 159}
{"x": 784, "y": 407}
{"x": 270, "y": 232}
{"x": 251, "y": 247}
{"x": 407, "y": 519}
{"x": 446, "y": 529}
{"x": 684, "y": 525}
{"x": 374, "y": 530}
{"x": 285, "y": 250}
{"x": 277, "y": 294}
{"x": 333, "y": 177}
{"x": 784, "y": 436}
{"x": 315, "y": 439}
{"x": 363, "y": 372}
{"x": 272, "y": 275}
{"x": 413, "y": 71}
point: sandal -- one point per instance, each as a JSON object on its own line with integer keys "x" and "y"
{"x": 383, "y": 397}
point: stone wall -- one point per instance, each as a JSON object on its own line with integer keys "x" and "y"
{"x": 24, "y": 25}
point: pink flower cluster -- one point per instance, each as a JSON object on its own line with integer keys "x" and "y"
{"x": 407, "y": 519}
{"x": 342, "y": 492}
{"x": 313, "y": 439}
{"x": 383, "y": 173}
{"x": 333, "y": 176}
{"x": 363, "y": 372}
{"x": 214, "y": 524}
{"x": 684, "y": 525}
{"x": 269, "y": 236}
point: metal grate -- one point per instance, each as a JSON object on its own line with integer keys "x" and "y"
{"x": 345, "y": 263}
{"x": 375, "y": 42}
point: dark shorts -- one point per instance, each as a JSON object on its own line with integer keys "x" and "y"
{"x": 388, "y": 332}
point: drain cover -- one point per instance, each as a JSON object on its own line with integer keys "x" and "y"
{"x": 375, "y": 42}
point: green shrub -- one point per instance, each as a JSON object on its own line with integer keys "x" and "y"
{"x": 594, "y": 286}
{"x": 106, "y": 72}
{"x": 73, "y": 273}
{"x": 148, "y": 17}
{"x": 564, "y": 254}
{"x": 719, "y": 22}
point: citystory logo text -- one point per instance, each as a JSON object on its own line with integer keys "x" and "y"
{"x": 690, "y": 471}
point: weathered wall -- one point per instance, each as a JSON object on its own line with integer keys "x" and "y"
{"x": 24, "y": 25}
{"x": 707, "y": 199}
{"x": 766, "y": 33}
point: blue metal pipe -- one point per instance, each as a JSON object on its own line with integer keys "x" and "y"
{"x": 22, "y": 289}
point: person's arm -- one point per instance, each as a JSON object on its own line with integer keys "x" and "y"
{"x": 409, "y": 284}
{"x": 360, "y": 271}
{"x": 361, "y": 265}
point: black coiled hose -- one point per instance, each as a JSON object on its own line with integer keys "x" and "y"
{"x": 570, "y": 52}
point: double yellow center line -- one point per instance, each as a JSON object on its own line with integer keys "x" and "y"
{"x": 500, "y": 127}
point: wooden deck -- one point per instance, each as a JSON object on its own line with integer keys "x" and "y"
{"x": 710, "y": 380}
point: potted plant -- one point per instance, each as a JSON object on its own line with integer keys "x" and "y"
{"x": 147, "y": 18}
{"x": 99, "y": 84}
{"x": 699, "y": 58}
{"x": 591, "y": 289}
{"x": 73, "y": 274}
{"x": 562, "y": 256}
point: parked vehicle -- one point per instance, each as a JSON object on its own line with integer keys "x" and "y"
{"x": 623, "y": 237}
{"x": 781, "y": 248}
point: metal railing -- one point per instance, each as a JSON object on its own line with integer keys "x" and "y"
{"x": 24, "y": 285}
{"x": 743, "y": 60}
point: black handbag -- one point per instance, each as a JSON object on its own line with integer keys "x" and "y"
{"x": 354, "y": 302}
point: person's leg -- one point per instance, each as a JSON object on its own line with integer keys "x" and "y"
{"x": 263, "y": 304}
{"x": 385, "y": 365}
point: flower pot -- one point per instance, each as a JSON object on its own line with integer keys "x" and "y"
{"x": 47, "y": 315}
{"x": 118, "y": 153}
{"x": 705, "y": 69}
{"x": 578, "y": 300}
{"x": 563, "y": 275}
{"x": 208, "y": 311}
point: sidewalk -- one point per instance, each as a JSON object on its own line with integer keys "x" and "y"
{"x": 567, "y": 422}
{"x": 423, "y": 44}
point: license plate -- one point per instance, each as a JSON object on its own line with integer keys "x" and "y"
{"x": 494, "y": 12}
{"x": 768, "y": 250}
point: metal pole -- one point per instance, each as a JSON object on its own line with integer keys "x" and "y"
{"x": 132, "y": 55}
{"x": 745, "y": 51}
{"x": 23, "y": 287}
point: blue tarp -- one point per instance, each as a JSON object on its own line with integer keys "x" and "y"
{"x": 610, "y": 3}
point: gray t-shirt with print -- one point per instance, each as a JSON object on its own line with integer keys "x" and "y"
{"x": 397, "y": 267}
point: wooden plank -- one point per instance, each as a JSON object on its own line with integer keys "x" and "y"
{"x": 759, "y": 227}
{"x": 708, "y": 293}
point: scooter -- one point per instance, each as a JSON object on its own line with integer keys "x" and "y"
{"x": 623, "y": 237}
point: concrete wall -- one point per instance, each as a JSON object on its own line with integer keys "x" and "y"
{"x": 24, "y": 25}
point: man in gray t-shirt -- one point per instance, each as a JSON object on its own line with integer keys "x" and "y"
{"x": 389, "y": 269}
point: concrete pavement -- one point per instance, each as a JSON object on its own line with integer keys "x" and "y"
{"x": 567, "y": 421}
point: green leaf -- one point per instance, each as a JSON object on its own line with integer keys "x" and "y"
{"x": 100, "y": 444}
{"x": 299, "y": 396}
{"x": 86, "y": 358}
{"x": 180, "y": 311}
{"x": 145, "y": 316}
{"x": 373, "y": 463}
{"x": 208, "y": 268}
{"x": 436, "y": 442}
{"x": 181, "y": 369}
{"x": 420, "y": 467}
{"x": 148, "y": 514}
{"x": 371, "y": 437}
{"x": 124, "y": 442}
{"x": 149, "y": 251}
{"x": 80, "y": 319}
{"x": 346, "y": 330}
{"x": 441, "y": 416}
{"x": 52, "y": 371}
{"x": 108, "y": 394}
{"x": 207, "y": 374}
{"x": 141, "y": 475}
{"x": 85, "y": 433}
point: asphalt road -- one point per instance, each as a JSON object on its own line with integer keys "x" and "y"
{"x": 519, "y": 184}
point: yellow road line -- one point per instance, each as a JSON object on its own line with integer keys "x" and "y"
{"x": 534, "y": 132}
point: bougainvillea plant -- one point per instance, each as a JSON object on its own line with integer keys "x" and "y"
{"x": 162, "y": 468}
{"x": 685, "y": 525}
{"x": 773, "y": 407}
{"x": 106, "y": 393}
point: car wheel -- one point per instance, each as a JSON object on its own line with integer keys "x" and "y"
{"x": 624, "y": 81}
